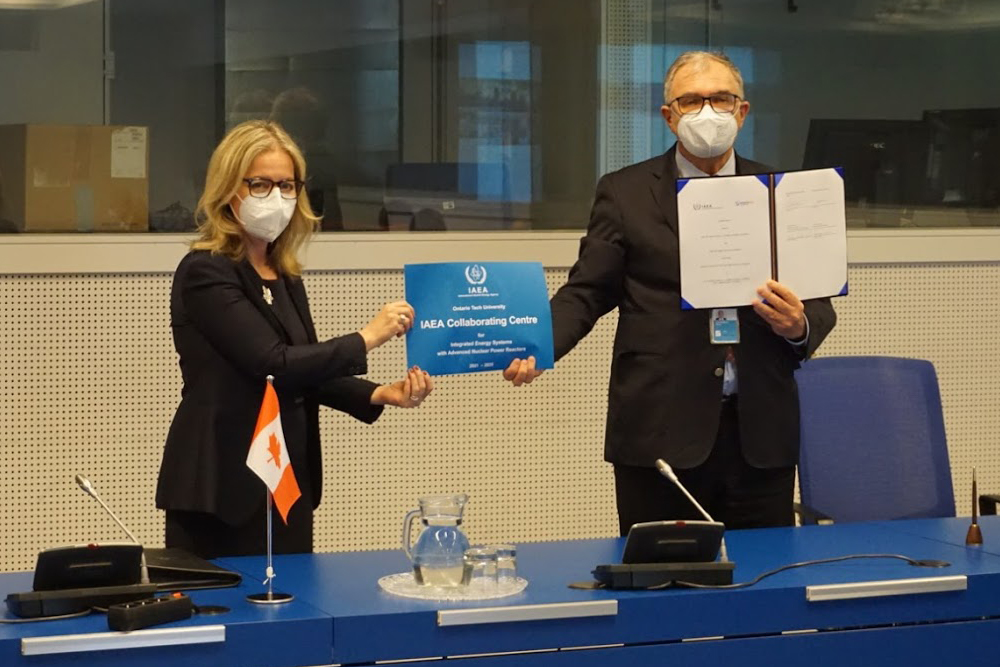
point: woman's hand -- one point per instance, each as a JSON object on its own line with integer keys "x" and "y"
{"x": 408, "y": 393}
{"x": 395, "y": 319}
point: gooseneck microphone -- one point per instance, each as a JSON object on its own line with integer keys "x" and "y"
{"x": 89, "y": 489}
{"x": 664, "y": 468}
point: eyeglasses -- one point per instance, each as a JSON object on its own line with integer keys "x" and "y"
{"x": 721, "y": 103}
{"x": 261, "y": 187}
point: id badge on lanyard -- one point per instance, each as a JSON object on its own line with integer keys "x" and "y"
{"x": 724, "y": 326}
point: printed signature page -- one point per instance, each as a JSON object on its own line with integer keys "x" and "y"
{"x": 811, "y": 232}
{"x": 725, "y": 240}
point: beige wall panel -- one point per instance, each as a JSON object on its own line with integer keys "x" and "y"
{"x": 89, "y": 383}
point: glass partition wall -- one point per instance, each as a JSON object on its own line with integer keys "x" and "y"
{"x": 483, "y": 114}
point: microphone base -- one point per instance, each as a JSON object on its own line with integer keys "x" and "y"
{"x": 646, "y": 575}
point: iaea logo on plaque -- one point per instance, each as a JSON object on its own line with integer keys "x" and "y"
{"x": 475, "y": 274}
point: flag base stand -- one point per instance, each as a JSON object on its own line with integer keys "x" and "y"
{"x": 270, "y": 598}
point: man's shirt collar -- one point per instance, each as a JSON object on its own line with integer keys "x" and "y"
{"x": 686, "y": 168}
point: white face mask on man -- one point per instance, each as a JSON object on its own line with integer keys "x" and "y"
{"x": 265, "y": 218}
{"x": 707, "y": 133}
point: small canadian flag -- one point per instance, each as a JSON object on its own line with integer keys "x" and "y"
{"x": 268, "y": 456}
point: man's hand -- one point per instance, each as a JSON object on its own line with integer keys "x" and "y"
{"x": 781, "y": 309}
{"x": 521, "y": 371}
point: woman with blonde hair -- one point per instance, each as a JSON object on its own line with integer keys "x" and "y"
{"x": 239, "y": 313}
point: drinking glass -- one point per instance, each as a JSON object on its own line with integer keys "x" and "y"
{"x": 481, "y": 567}
{"x": 506, "y": 563}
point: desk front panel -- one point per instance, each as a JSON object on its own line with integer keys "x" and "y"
{"x": 970, "y": 644}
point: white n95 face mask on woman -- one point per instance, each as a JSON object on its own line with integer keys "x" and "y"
{"x": 707, "y": 133}
{"x": 265, "y": 218}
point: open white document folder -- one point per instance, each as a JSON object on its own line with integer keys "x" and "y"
{"x": 736, "y": 232}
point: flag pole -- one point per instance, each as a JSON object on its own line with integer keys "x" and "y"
{"x": 269, "y": 572}
{"x": 270, "y": 597}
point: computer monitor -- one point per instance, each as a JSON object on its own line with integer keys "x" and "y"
{"x": 964, "y": 166}
{"x": 429, "y": 196}
{"x": 884, "y": 161}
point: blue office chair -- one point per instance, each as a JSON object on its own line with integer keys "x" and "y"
{"x": 873, "y": 440}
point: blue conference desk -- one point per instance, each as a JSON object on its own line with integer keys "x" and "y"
{"x": 341, "y": 617}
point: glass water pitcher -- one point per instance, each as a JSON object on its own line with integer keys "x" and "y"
{"x": 438, "y": 552}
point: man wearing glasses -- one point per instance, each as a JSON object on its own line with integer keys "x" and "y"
{"x": 716, "y": 400}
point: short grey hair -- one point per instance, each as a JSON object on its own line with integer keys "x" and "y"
{"x": 699, "y": 59}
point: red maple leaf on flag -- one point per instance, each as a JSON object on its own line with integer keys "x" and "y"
{"x": 274, "y": 449}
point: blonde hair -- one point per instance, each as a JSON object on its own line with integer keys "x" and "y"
{"x": 219, "y": 230}
{"x": 699, "y": 60}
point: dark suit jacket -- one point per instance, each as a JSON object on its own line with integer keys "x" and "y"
{"x": 664, "y": 398}
{"x": 229, "y": 341}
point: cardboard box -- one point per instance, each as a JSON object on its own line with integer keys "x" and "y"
{"x": 66, "y": 178}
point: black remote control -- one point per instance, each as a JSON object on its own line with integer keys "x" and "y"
{"x": 150, "y": 611}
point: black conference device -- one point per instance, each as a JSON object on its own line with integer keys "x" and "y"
{"x": 673, "y": 542}
{"x": 170, "y": 569}
{"x": 89, "y": 489}
{"x": 87, "y": 566}
{"x": 659, "y": 554}
{"x": 75, "y": 578}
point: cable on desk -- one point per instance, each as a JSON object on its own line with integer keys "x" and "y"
{"x": 823, "y": 561}
{"x": 38, "y": 619}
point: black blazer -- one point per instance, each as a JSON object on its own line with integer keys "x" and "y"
{"x": 229, "y": 341}
{"x": 664, "y": 397}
